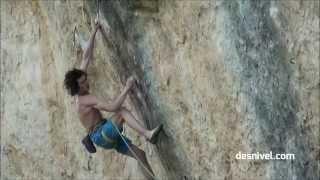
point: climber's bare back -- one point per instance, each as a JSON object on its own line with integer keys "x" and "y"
{"x": 88, "y": 114}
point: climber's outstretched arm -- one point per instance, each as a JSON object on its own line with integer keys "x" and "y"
{"x": 88, "y": 51}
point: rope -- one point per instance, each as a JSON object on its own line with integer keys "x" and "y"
{"x": 134, "y": 154}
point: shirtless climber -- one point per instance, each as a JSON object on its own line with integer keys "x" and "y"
{"x": 101, "y": 131}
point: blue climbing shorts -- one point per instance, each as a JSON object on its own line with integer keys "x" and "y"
{"x": 107, "y": 137}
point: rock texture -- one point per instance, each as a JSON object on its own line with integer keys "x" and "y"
{"x": 222, "y": 76}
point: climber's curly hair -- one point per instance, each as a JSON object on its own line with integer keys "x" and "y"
{"x": 70, "y": 80}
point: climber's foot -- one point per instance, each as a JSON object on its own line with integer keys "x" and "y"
{"x": 154, "y": 134}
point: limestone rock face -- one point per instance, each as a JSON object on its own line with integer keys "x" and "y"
{"x": 222, "y": 76}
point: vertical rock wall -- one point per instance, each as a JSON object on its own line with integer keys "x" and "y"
{"x": 222, "y": 76}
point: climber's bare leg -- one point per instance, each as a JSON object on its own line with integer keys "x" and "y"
{"x": 124, "y": 115}
{"x": 142, "y": 157}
